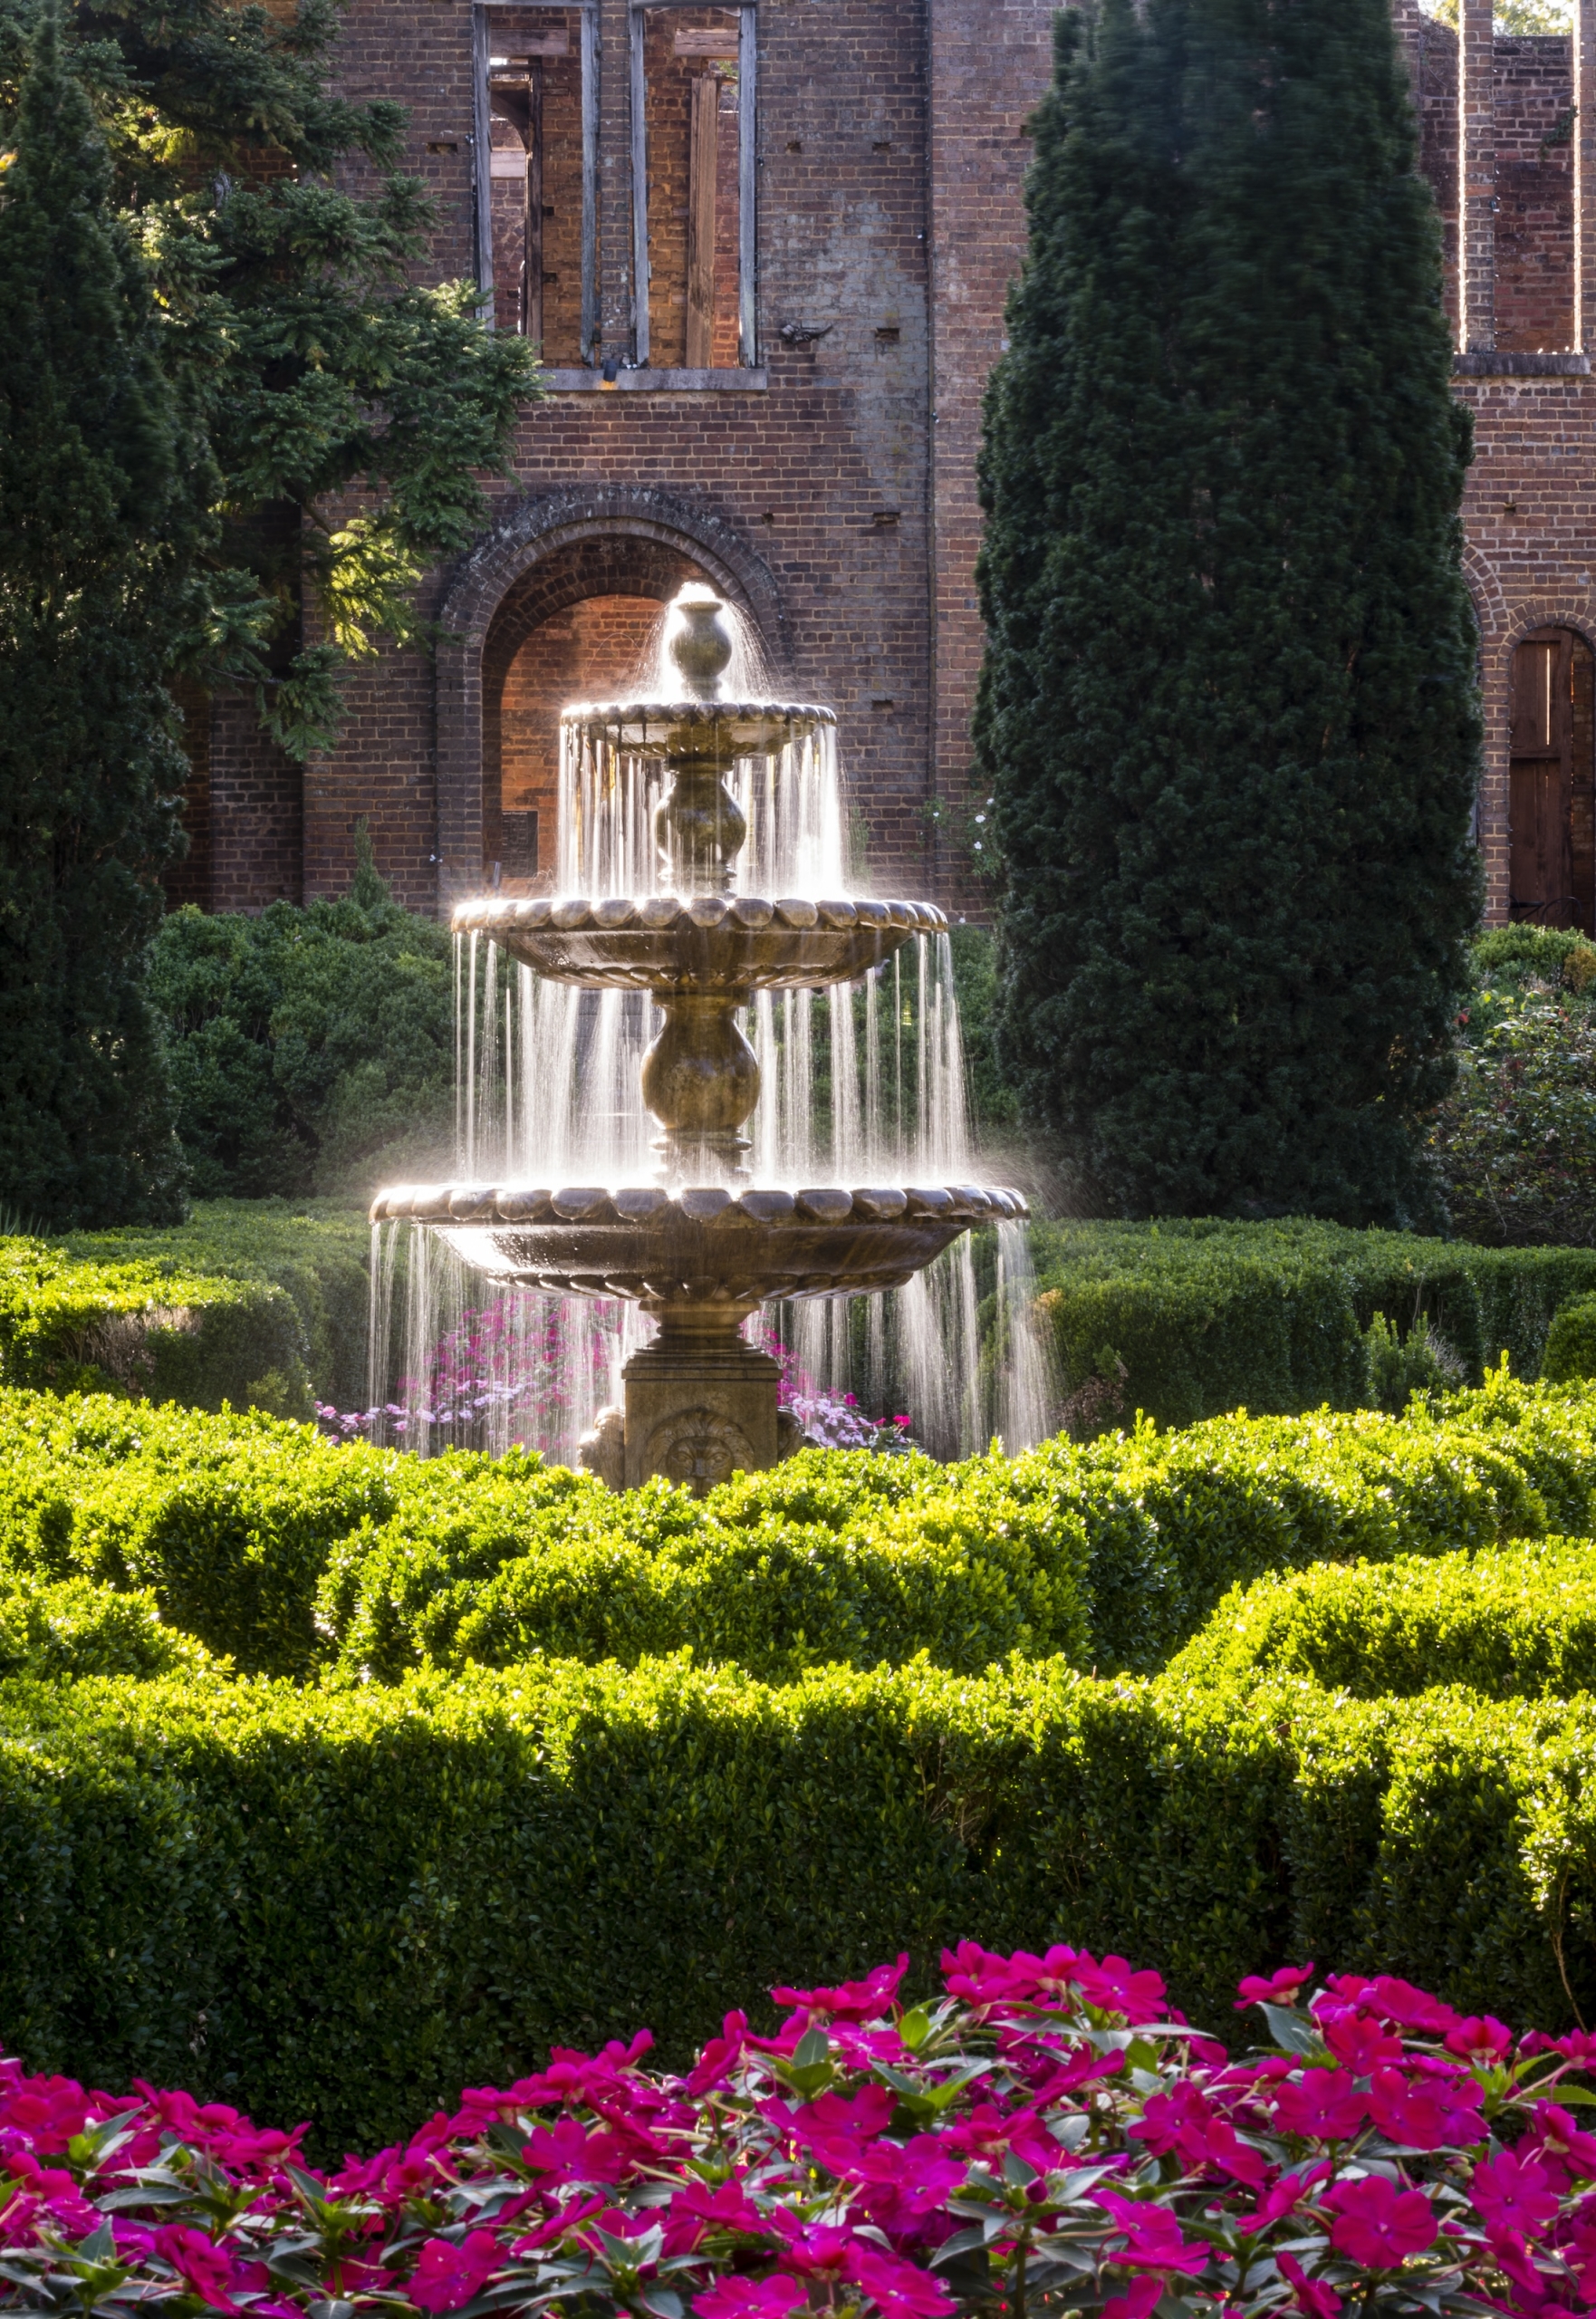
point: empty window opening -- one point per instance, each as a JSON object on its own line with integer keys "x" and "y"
{"x": 1552, "y": 782}
{"x": 692, "y": 127}
{"x": 535, "y": 104}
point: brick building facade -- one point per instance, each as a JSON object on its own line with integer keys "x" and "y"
{"x": 821, "y": 202}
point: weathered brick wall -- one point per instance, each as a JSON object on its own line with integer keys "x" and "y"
{"x": 823, "y": 482}
{"x": 1535, "y": 196}
{"x": 1530, "y": 515}
{"x": 592, "y": 651}
{"x": 256, "y": 797}
{"x": 837, "y": 501}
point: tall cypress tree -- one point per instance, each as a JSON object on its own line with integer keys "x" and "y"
{"x": 1228, "y": 708}
{"x": 101, "y": 496}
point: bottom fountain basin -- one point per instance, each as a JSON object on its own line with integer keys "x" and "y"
{"x": 704, "y": 1247}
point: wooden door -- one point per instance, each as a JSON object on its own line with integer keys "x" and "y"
{"x": 1540, "y": 780}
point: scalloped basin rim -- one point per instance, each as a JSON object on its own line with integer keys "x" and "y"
{"x": 694, "y": 712}
{"x": 660, "y": 913}
{"x": 649, "y": 1207}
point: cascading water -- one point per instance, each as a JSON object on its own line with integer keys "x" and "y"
{"x": 861, "y": 1083}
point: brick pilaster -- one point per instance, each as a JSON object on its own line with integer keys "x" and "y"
{"x": 1584, "y": 133}
{"x": 1477, "y": 235}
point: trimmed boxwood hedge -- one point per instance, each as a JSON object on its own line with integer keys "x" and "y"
{"x": 317, "y": 1252}
{"x": 1519, "y": 1621}
{"x": 1187, "y": 1319}
{"x": 280, "y": 1549}
{"x": 147, "y": 1328}
{"x": 347, "y": 1905}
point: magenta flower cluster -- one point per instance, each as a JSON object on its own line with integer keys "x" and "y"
{"x": 1046, "y": 2136}
{"x": 498, "y": 1373}
{"x": 508, "y": 1369}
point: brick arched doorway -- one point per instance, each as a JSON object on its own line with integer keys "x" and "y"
{"x": 628, "y": 542}
{"x": 1552, "y": 834}
{"x": 579, "y": 625}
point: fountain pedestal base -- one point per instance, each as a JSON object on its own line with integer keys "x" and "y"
{"x": 701, "y": 1406}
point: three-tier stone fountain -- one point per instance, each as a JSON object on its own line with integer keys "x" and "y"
{"x": 702, "y": 1247}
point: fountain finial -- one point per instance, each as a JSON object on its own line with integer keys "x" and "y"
{"x": 703, "y": 643}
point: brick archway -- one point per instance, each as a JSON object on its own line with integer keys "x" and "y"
{"x": 540, "y": 558}
{"x": 575, "y": 626}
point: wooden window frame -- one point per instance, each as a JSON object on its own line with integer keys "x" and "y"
{"x": 482, "y": 13}
{"x": 747, "y": 176}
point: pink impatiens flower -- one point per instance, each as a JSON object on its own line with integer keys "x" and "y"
{"x": 198, "y": 2261}
{"x": 1283, "y": 1987}
{"x": 865, "y": 2000}
{"x": 1513, "y": 2194}
{"x": 1320, "y": 2301}
{"x": 898, "y": 2290}
{"x": 1423, "y": 2114}
{"x": 1481, "y": 2039}
{"x": 1153, "y": 2237}
{"x": 1322, "y": 2105}
{"x": 1140, "y": 2297}
{"x": 750, "y": 2298}
{"x": 447, "y": 2277}
{"x": 1378, "y": 2225}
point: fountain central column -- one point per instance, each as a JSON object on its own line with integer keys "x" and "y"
{"x": 701, "y": 1406}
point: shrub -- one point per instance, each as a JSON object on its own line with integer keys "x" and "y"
{"x": 1173, "y": 1521}
{"x": 318, "y": 1254}
{"x": 1516, "y": 1622}
{"x": 1349, "y": 2155}
{"x": 1543, "y": 956}
{"x": 347, "y": 1905}
{"x": 1229, "y": 711}
{"x": 1187, "y": 1318}
{"x": 227, "y": 1520}
{"x": 278, "y": 1548}
{"x": 147, "y": 1329}
{"x": 79, "y": 1628}
{"x": 1516, "y": 1146}
{"x": 308, "y": 1048}
{"x": 1570, "y": 1341}
{"x": 773, "y": 1574}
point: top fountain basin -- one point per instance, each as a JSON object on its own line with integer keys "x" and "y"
{"x": 712, "y": 943}
{"x": 725, "y": 729}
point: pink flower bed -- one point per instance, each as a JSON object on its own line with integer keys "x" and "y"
{"x": 1044, "y": 2136}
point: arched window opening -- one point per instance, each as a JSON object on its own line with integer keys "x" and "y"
{"x": 1551, "y": 800}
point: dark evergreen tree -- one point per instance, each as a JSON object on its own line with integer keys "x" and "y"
{"x": 102, "y": 505}
{"x": 1229, "y": 708}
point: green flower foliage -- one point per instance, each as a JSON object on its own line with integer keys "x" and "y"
{"x": 303, "y": 1044}
{"x": 1227, "y": 711}
{"x": 1512, "y": 1622}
